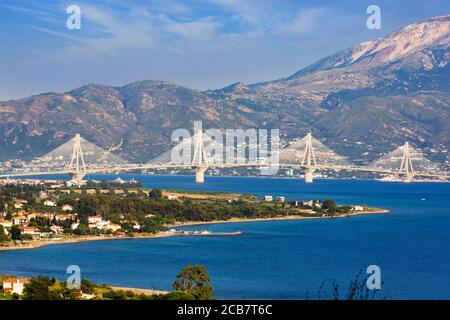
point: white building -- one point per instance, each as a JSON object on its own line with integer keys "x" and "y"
{"x": 268, "y": 198}
{"x": 18, "y": 205}
{"x": 49, "y": 203}
{"x": 67, "y": 207}
{"x": 94, "y": 219}
{"x": 57, "y": 229}
{"x": 30, "y": 230}
{"x": 14, "y": 285}
{"x": 43, "y": 195}
{"x": 74, "y": 225}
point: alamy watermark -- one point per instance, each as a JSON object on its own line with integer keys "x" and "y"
{"x": 73, "y": 22}
{"x": 73, "y": 282}
{"x": 373, "y": 22}
{"x": 373, "y": 281}
{"x": 256, "y": 147}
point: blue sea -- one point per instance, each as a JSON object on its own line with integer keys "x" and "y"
{"x": 278, "y": 259}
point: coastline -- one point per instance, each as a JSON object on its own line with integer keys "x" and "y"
{"x": 164, "y": 234}
{"x": 140, "y": 290}
{"x": 282, "y": 218}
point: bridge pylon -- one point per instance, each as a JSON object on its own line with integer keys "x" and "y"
{"x": 309, "y": 159}
{"x": 77, "y": 164}
{"x": 406, "y": 167}
{"x": 199, "y": 160}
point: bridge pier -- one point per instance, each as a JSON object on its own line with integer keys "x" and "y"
{"x": 77, "y": 178}
{"x": 200, "y": 174}
{"x": 408, "y": 178}
{"x": 309, "y": 175}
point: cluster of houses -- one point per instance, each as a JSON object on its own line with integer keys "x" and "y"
{"x": 309, "y": 203}
{"x": 16, "y": 213}
{"x": 102, "y": 224}
{"x": 23, "y": 219}
{"x": 305, "y": 205}
{"x": 278, "y": 199}
{"x": 14, "y": 285}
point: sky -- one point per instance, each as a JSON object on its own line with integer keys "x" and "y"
{"x": 201, "y": 44}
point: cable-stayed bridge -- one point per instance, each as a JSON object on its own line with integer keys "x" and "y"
{"x": 78, "y": 157}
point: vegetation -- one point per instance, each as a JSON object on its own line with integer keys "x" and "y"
{"x": 191, "y": 284}
{"x": 15, "y": 233}
{"x": 136, "y": 210}
{"x": 156, "y": 194}
{"x": 3, "y": 236}
{"x": 356, "y": 290}
{"x": 193, "y": 281}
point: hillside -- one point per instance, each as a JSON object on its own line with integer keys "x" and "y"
{"x": 378, "y": 93}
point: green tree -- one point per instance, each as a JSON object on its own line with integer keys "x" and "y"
{"x": 156, "y": 194}
{"x": 87, "y": 286}
{"x": 194, "y": 280}
{"x": 15, "y": 233}
{"x": 329, "y": 205}
{"x": 178, "y": 295}
{"x": 3, "y": 236}
{"x": 81, "y": 230}
{"x": 38, "y": 289}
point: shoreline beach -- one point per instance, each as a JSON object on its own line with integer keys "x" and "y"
{"x": 164, "y": 234}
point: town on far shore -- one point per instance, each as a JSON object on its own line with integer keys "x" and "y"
{"x": 38, "y": 212}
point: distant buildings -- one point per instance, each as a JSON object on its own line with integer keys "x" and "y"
{"x": 18, "y": 205}
{"x": 14, "y": 285}
{"x": 93, "y": 220}
{"x": 312, "y": 203}
{"x": 33, "y": 231}
{"x": 64, "y": 217}
{"x": 49, "y": 203}
{"x": 99, "y": 223}
{"x": 67, "y": 207}
{"x": 57, "y": 229}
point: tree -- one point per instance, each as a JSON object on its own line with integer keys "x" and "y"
{"x": 155, "y": 194}
{"x": 177, "y": 295}
{"x": 87, "y": 286}
{"x": 82, "y": 230}
{"x": 15, "y": 233}
{"x": 194, "y": 280}
{"x": 3, "y": 236}
{"x": 38, "y": 289}
{"x": 329, "y": 205}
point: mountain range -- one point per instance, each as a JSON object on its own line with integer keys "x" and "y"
{"x": 362, "y": 102}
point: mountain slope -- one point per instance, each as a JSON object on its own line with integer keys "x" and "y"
{"x": 379, "y": 93}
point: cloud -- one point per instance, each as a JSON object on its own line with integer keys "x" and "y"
{"x": 111, "y": 32}
{"x": 305, "y": 22}
{"x": 112, "y": 27}
{"x": 203, "y": 28}
{"x": 265, "y": 18}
